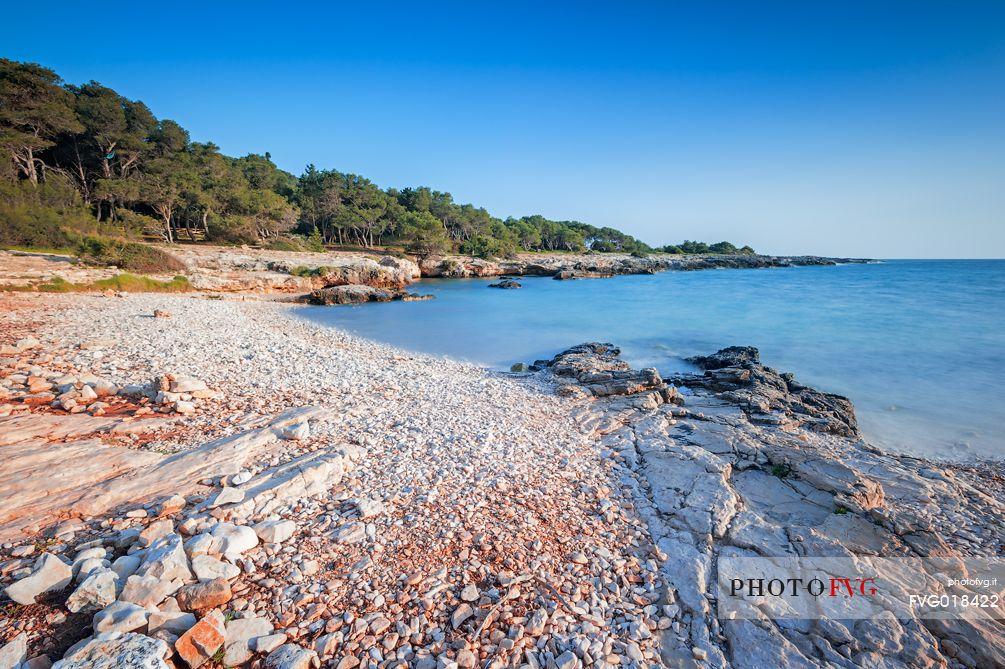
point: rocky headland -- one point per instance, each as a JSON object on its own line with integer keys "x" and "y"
{"x": 216, "y": 482}
{"x": 312, "y": 276}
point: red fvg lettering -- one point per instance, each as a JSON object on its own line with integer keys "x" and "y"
{"x": 865, "y": 586}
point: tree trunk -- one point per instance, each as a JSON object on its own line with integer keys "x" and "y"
{"x": 32, "y": 171}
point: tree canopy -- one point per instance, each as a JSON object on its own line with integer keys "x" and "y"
{"x": 109, "y": 159}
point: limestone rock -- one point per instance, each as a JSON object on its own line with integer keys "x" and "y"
{"x": 175, "y": 622}
{"x": 208, "y": 568}
{"x": 155, "y": 531}
{"x": 736, "y": 373}
{"x": 120, "y": 617}
{"x": 299, "y": 432}
{"x": 228, "y": 495}
{"x": 15, "y": 652}
{"x": 49, "y": 573}
{"x": 275, "y": 531}
{"x": 96, "y": 592}
{"x": 267, "y": 643}
{"x": 198, "y": 645}
{"x": 469, "y": 593}
{"x": 234, "y": 539}
{"x": 166, "y": 560}
{"x": 204, "y": 595}
{"x": 355, "y": 294}
{"x": 186, "y": 384}
{"x": 460, "y": 614}
{"x": 598, "y": 368}
{"x": 240, "y": 633}
{"x": 126, "y": 565}
{"x": 369, "y": 507}
{"x": 148, "y": 591}
{"x": 507, "y": 284}
{"x": 115, "y": 650}
{"x": 290, "y": 656}
{"x": 350, "y": 533}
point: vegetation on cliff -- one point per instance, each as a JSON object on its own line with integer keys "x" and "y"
{"x": 84, "y": 164}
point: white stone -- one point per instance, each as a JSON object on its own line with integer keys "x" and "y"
{"x": 350, "y": 533}
{"x": 298, "y": 432}
{"x": 114, "y": 650}
{"x": 290, "y": 656}
{"x": 240, "y": 632}
{"x": 120, "y": 617}
{"x": 49, "y": 573}
{"x": 166, "y": 560}
{"x": 125, "y": 566}
{"x": 87, "y": 567}
{"x": 275, "y": 531}
{"x": 175, "y": 622}
{"x": 96, "y": 592}
{"x": 234, "y": 539}
{"x": 148, "y": 591}
{"x": 187, "y": 384}
{"x": 268, "y": 643}
{"x": 369, "y": 507}
{"x": 15, "y": 652}
{"x": 207, "y": 568}
{"x": 201, "y": 544}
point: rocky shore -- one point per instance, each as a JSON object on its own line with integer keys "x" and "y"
{"x": 258, "y": 491}
{"x": 598, "y": 266}
{"x": 328, "y": 278}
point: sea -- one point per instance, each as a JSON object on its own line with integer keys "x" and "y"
{"x": 918, "y": 345}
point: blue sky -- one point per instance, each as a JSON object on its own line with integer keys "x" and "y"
{"x": 805, "y": 127}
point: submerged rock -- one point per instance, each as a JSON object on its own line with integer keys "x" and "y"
{"x": 358, "y": 294}
{"x": 507, "y": 284}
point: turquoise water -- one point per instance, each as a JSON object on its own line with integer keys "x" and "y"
{"x": 919, "y": 346}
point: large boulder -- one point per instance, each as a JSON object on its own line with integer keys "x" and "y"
{"x": 737, "y": 375}
{"x": 96, "y": 592}
{"x": 49, "y": 573}
{"x": 166, "y": 560}
{"x": 358, "y": 294}
{"x": 390, "y": 273}
{"x": 599, "y": 369}
{"x": 115, "y": 650}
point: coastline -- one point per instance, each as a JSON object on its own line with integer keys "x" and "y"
{"x": 250, "y": 270}
{"x": 419, "y": 477}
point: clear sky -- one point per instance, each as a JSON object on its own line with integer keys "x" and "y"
{"x": 840, "y": 128}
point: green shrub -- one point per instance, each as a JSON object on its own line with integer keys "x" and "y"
{"x": 132, "y": 256}
{"x": 140, "y": 284}
{"x": 311, "y": 271}
{"x": 124, "y": 282}
{"x": 284, "y": 244}
{"x": 231, "y": 230}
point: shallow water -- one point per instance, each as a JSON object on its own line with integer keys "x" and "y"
{"x": 919, "y": 346}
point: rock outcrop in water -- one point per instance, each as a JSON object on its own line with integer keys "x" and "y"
{"x": 736, "y": 374}
{"x": 355, "y": 294}
{"x": 748, "y": 463}
{"x": 598, "y": 368}
{"x": 596, "y": 266}
{"x": 506, "y": 284}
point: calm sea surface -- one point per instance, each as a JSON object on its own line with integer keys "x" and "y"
{"x": 919, "y": 346}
